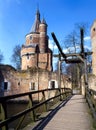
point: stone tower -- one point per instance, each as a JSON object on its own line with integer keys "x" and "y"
{"x": 93, "y": 40}
{"x": 35, "y": 52}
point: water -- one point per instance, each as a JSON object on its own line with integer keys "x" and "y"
{"x": 14, "y": 108}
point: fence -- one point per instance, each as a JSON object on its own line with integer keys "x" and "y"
{"x": 57, "y": 94}
{"x": 91, "y": 99}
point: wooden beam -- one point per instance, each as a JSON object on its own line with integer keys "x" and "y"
{"x": 58, "y": 45}
{"x": 73, "y": 54}
{"x": 73, "y": 61}
{"x": 82, "y": 41}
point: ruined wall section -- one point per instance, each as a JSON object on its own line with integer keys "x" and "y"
{"x": 30, "y": 80}
{"x": 93, "y": 41}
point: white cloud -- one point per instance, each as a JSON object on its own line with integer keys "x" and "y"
{"x": 52, "y": 46}
{"x": 88, "y": 47}
{"x": 87, "y": 38}
{"x": 70, "y": 49}
{"x": 65, "y": 50}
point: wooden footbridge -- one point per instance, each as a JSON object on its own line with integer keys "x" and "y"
{"x": 63, "y": 111}
{"x": 72, "y": 116}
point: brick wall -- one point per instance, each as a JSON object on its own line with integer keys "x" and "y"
{"x": 21, "y": 82}
{"x": 93, "y": 40}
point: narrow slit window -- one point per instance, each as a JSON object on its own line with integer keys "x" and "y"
{"x": 32, "y": 86}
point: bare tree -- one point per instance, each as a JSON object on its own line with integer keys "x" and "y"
{"x": 83, "y": 25}
{"x": 72, "y": 43}
{"x": 1, "y": 57}
{"x": 72, "y": 40}
{"x": 16, "y": 58}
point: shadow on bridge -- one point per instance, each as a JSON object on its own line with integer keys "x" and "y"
{"x": 72, "y": 114}
{"x": 48, "y": 118}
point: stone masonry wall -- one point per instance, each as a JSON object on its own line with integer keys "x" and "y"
{"x": 30, "y": 80}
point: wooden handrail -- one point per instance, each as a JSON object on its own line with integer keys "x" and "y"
{"x": 3, "y": 100}
{"x": 6, "y": 98}
{"x": 90, "y": 93}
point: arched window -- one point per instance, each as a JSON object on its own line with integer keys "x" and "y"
{"x": 30, "y": 37}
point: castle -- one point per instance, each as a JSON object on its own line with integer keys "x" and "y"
{"x": 93, "y": 42}
{"x": 35, "y": 53}
{"x": 36, "y": 65}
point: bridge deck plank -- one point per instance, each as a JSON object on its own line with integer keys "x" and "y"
{"x": 73, "y": 116}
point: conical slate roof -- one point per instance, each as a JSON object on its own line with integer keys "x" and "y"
{"x": 43, "y": 21}
{"x": 35, "y": 26}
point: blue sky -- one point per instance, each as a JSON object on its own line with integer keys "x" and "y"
{"x": 17, "y": 17}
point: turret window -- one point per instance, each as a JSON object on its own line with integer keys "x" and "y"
{"x": 28, "y": 57}
{"x": 94, "y": 29}
{"x": 30, "y": 37}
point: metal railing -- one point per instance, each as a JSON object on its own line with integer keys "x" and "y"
{"x": 61, "y": 94}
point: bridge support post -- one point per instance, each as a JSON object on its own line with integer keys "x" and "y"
{"x": 44, "y": 105}
{"x": 3, "y": 115}
{"x": 83, "y": 86}
{"x": 30, "y": 105}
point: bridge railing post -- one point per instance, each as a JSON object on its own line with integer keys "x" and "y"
{"x": 90, "y": 100}
{"x": 93, "y": 100}
{"x": 3, "y": 113}
{"x": 57, "y": 92}
{"x": 43, "y": 99}
{"x": 60, "y": 92}
{"x": 32, "y": 113}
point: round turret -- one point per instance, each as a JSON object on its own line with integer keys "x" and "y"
{"x": 32, "y": 38}
{"x": 28, "y": 56}
{"x": 43, "y": 36}
{"x": 43, "y": 27}
{"x": 35, "y": 51}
